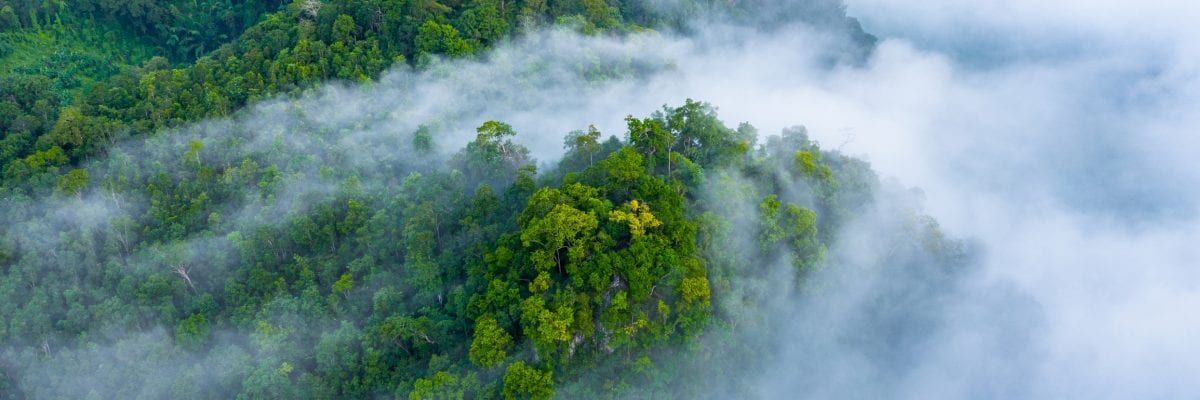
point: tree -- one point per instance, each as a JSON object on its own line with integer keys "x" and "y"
{"x": 492, "y": 157}
{"x": 586, "y": 142}
{"x": 343, "y": 285}
{"x": 650, "y": 138}
{"x": 806, "y": 247}
{"x": 600, "y": 13}
{"x": 422, "y": 140}
{"x": 483, "y": 22}
{"x": 624, "y": 168}
{"x": 796, "y": 228}
{"x": 441, "y": 386}
{"x": 344, "y": 29}
{"x": 192, "y": 333}
{"x": 524, "y": 382}
{"x": 769, "y": 231}
{"x": 192, "y": 155}
{"x": 547, "y": 325}
{"x": 638, "y": 218}
{"x": 490, "y": 343}
{"x": 337, "y": 354}
{"x": 73, "y": 182}
{"x": 436, "y": 38}
{"x": 177, "y": 258}
{"x": 8, "y": 18}
{"x": 269, "y": 379}
{"x": 411, "y": 334}
{"x": 701, "y": 136}
{"x": 563, "y": 228}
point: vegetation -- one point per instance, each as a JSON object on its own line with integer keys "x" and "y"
{"x": 248, "y": 50}
{"x": 431, "y": 286}
{"x": 222, "y": 267}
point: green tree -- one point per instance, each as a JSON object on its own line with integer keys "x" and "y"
{"x": 73, "y": 182}
{"x": 563, "y": 228}
{"x": 770, "y": 232}
{"x": 344, "y": 29}
{"x": 434, "y": 38}
{"x": 806, "y": 247}
{"x": 8, "y": 18}
{"x": 338, "y": 356}
{"x": 441, "y": 386}
{"x": 586, "y": 142}
{"x": 343, "y": 285}
{"x": 483, "y": 22}
{"x": 490, "y": 344}
{"x": 422, "y": 140}
{"x": 193, "y": 332}
{"x": 524, "y": 382}
{"x": 492, "y": 157}
{"x": 638, "y": 218}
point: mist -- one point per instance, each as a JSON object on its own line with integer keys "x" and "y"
{"x": 1059, "y": 136}
{"x": 1070, "y": 156}
{"x": 1058, "y": 140}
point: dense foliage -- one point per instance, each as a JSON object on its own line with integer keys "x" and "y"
{"x": 474, "y": 279}
{"x": 252, "y": 260}
{"x": 249, "y": 50}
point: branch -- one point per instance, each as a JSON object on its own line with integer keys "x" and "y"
{"x": 183, "y": 272}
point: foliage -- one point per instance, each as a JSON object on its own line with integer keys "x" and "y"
{"x": 423, "y": 286}
{"x": 524, "y": 382}
{"x": 475, "y": 276}
{"x": 490, "y": 344}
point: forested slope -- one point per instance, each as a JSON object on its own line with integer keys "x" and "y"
{"x": 263, "y": 52}
{"x": 164, "y": 240}
{"x": 299, "y": 276}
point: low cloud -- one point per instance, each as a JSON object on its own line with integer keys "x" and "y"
{"x": 1058, "y": 137}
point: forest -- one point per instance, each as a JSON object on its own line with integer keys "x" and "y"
{"x": 184, "y": 219}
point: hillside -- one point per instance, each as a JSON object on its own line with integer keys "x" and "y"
{"x": 300, "y": 201}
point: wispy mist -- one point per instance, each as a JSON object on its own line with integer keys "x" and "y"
{"x": 1058, "y": 139}
{"x": 1061, "y": 136}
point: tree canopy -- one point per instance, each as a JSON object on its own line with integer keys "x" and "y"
{"x": 274, "y": 263}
